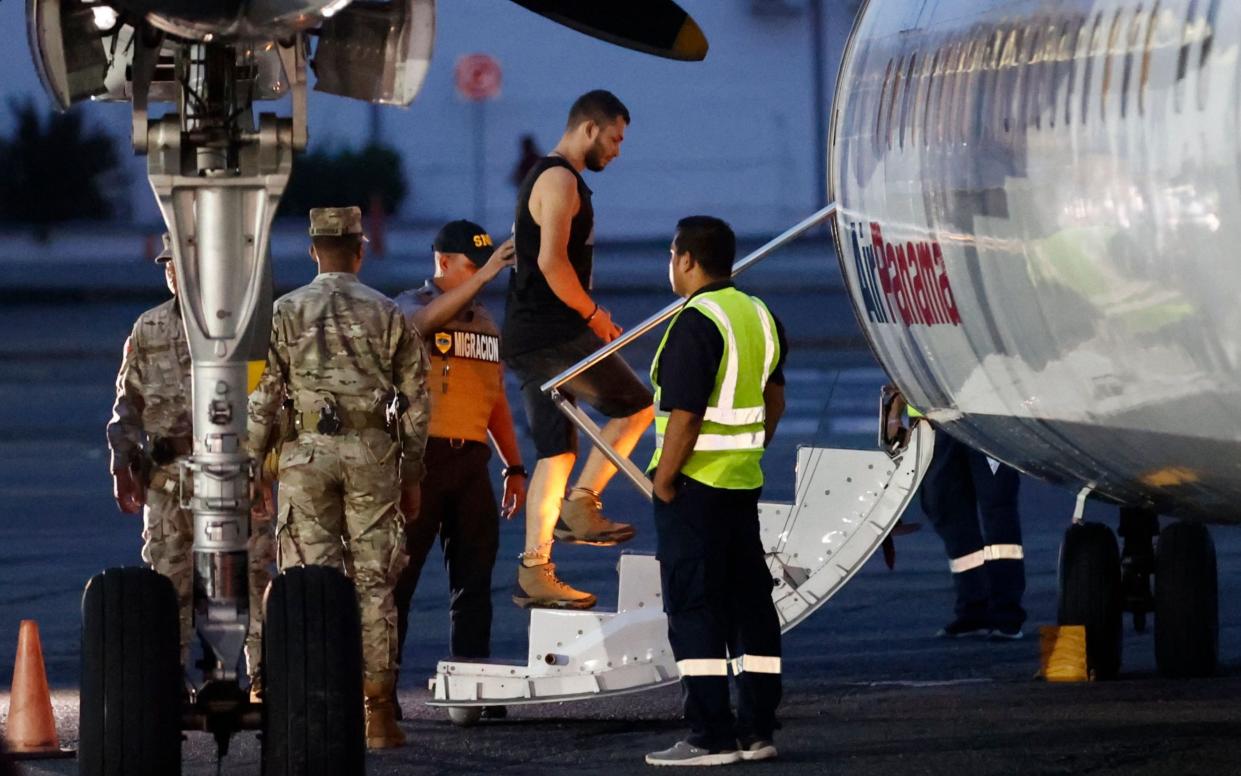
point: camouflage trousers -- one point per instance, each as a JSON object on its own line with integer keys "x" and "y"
{"x": 168, "y": 546}
{"x": 338, "y": 507}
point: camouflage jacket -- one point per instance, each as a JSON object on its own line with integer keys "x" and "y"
{"x": 153, "y": 386}
{"x": 340, "y": 341}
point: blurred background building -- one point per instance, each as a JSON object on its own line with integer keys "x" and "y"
{"x": 739, "y": 135}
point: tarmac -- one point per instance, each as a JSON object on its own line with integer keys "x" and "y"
{"x": 868, "y": 689}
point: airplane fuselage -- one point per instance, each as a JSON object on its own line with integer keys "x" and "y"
{"x": 1038, "y": 225}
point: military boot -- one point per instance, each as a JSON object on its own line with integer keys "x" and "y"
{"x": 382, "y": 731}
{"x": 582, "y": 522}
{"x": 538, "y": 586}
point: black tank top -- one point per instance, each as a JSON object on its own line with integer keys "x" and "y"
{"x": 534, "y": 316}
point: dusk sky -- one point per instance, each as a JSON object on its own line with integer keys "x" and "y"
{"x": 733, "y": 134}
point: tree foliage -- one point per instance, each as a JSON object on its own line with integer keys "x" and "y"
{"x": 340, "y": 178}
{"x": 54, "y": 169}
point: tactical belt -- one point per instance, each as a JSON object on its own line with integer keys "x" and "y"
{"x": 350, "y": 420}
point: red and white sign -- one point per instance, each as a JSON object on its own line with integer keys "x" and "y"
{"x": 478, "y": 77}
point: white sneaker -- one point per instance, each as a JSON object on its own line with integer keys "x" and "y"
{"x": 758, "y": 749}
{"x": 685, "y": 753}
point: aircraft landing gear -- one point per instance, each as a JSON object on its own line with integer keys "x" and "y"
{"x": 1090, "y": 594}
{"x": 1186, "y": 602}
{"x": 1138, "y": 527}
{"x": 312, "y": 670}
{"x": 132, "y": 689}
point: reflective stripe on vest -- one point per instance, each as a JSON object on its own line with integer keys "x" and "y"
{"x": 730, "y": 442}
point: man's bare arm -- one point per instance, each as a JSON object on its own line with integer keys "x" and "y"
{"x": 504, "y": 437}
{"x": 680, "y": 436}
{"x": 773, "y": 400}
{"x": 445, "y": 307}
{"x": 554, "y": 203}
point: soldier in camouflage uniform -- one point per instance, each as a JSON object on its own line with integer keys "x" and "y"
{"x": 354, "y": 375}
{"x": 153, "y": 402}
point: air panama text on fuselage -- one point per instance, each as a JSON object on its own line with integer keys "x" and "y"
{"x": 904, "y": 282}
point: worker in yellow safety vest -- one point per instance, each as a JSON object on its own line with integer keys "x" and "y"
{"x": 719, "y": 393}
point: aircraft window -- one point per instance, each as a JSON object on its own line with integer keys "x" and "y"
{"x": 893, "y": 93}
{"x": 883, "y": 93}
{"x": 1060, "y": 70}
{"x": 950, "y": 120}
{"x": 931, "y": 71}
{"x": 909, "y": 88}
{"x": 1095, "y": 44}
{"x": 1144, "y": 79}
{"x": 975, "y": 97}
{"x": 943, "y": 101}
{"x": 1045, "y": 62}
{"x": 1006, "y": 78}
{"x": 1205, "y": 52}
{"x": 961, "y": 96}
{"x": 993, "y": 90}
{"x": 1135, "y": 29}
{"x": 1188, "y": 33}
{"x": 941, "y": 94}
{"x": 918, "y": 123}
{"x": 1074, "y": 56}
{"x": 1055, "y": 71}
{"x": 1029, "y": 77}
{"x": 1112, "y": 34}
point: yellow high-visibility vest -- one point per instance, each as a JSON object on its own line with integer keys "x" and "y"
{"x": 729, "y": 448}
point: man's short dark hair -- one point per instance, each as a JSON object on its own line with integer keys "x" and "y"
{"x": 337, "y": 249}
{"x": 599, "y": 106}
{"x": 710, "y": 241}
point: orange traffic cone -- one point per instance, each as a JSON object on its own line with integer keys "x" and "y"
{"x": 31, "y": 728}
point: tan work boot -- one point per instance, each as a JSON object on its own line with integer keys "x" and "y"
{"x": 538, "y": 586}
{"x": 582, "y": 522}
{"x": 382, "y": 731}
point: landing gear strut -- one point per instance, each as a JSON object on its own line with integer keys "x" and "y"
{"x": 218, "y": 171}
{"x": 1138, "y": 527}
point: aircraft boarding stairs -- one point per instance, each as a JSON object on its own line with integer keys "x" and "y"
{"x": 847, "y": 501}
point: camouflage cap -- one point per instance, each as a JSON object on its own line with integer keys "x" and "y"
{"x": 335, "y": 221}
{"x": 165, "y": 255}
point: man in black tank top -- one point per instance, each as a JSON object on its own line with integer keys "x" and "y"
{"x": 550, "y": 323}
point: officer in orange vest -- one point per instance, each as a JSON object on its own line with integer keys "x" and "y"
{"x": 468, "y": 405}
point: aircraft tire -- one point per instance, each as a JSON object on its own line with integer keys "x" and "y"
{"x": 1186, "y": 602}
{"x": 1090, "y": 594}
{"x": 465, "y": 716}
{"x": 312, "y": 670}
{"x": 132, "y": 681}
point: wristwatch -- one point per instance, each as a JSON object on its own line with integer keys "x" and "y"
{"x": 515, "y": 469}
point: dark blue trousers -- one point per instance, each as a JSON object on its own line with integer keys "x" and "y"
{"x": 974, "y": 510}
{"x": 459, "y": 506}
{"x": 717, "y": 595}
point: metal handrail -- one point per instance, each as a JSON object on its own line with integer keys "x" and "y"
{"x": 642, "y": 328}
{"x": 583, "y": 421}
